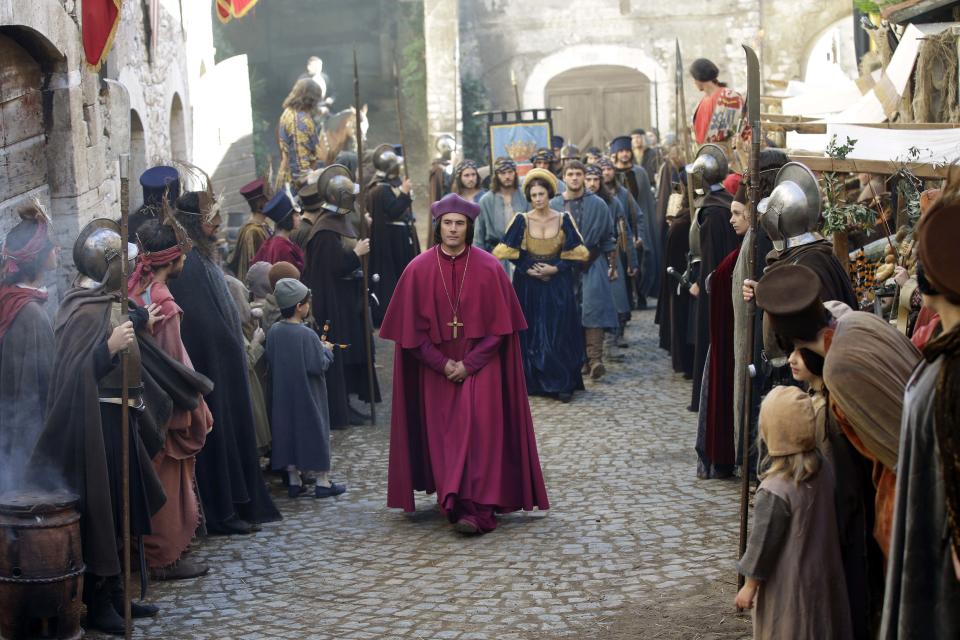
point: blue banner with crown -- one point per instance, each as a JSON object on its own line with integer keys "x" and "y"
{"x": 519, "y": 140}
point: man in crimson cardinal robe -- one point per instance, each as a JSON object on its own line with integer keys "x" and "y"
{"x": 460, "y": 423}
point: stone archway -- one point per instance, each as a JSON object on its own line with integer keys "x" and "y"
{"x": 138, "y": 158}
{"x": 569, "y": 58}
{"x": 598, "y": 103}
{"x": 178, "y": 130}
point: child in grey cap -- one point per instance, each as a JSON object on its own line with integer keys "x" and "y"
{"x": 300, "y": 418}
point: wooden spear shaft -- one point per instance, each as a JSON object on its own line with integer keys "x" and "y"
{"x": 125, "y": 392}
{"x": 364, "y": 233}
{"x": 747, "y": 411}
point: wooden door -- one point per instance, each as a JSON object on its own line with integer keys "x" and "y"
{"x": 23, "y": 140}
{"x": 599, "y": 102}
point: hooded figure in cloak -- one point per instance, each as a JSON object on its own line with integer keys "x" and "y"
{"x": 460, "y": 423}
{"x": 232, "y": 491}
{"x": 923, "y": 572}
{"x": 26, "y": 340}
{"x": 335, "y": 278}
{"x": 81, "y": 447}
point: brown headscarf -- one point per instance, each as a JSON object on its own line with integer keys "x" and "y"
{"x": 866, "y": 371}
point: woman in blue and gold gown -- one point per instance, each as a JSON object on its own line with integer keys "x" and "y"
{"x": 547, "y": 250}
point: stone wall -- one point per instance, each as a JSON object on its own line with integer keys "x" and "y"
{"x": 500, "y": 36}
{"x": 87, "y": 115}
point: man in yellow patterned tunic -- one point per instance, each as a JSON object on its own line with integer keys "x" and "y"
{"x": 297, "y": 134}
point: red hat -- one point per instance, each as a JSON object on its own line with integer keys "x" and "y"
{"x": 253, "y": 189}
{"x": 452, "y": 203}
{"x": 732, "y": 182}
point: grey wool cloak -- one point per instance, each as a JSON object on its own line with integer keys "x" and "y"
{"x": 26, "y": 360}
{"x": 922, "y": 596}
{"x": 300, "y": 417}
{"x": 595, "y": 222}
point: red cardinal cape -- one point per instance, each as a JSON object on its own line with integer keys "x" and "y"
{"x": 488, "y": 451}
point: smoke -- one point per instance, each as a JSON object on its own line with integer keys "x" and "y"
{"x": 21, "y": 423}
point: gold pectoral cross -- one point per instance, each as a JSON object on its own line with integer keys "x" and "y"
{"x": 455, "y": 325}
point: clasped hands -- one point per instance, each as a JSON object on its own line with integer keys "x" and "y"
{"x": 542, "y": 271}
{"x": 455, "y": 371}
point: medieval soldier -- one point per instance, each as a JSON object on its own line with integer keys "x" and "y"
{"x": 441, "y": 170}
{"x": 334, "y": 274}
{"x": 82, "y": 439}
{"x": 711, "y": 240}
{"x": 393, "y": 239}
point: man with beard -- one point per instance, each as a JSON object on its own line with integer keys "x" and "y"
{"x": 234, "y": 497}
{"x": 635, "y": 179}
{"x": 466, "y": 181}
{"x": 254, "y": 232}
{"x": 643, "y": 154}
{"x": 498, "y": 207}
{"x": 161, "y": 258}
{"x": 334, "y": 275}
{"x": 158, "y": 183}
{"x": 712, "y": 239}
{"x": 393, "y": 238}
{"x": 82, "y": 441}
{"x": 595, "y": 222}
{"x": 635, "y": 218}
{"x": 626, "y": 261}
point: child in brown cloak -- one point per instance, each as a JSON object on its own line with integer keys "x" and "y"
{"x": 793, "y": 569}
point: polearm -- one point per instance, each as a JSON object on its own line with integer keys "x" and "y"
{"x": 406, "y": 170}
{"x": 683, "y": 127}
{"x": 364, "y": 233}
{"x": 396, "y": 96}
{"x": 753, "y": 112}
{"x": 125, "y": 392}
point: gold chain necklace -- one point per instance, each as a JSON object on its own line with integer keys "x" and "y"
{"x": 455, "y": 324}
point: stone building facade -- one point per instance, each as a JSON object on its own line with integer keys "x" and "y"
{"x": 65, "y": 126}
{"x": 497, "y": 38}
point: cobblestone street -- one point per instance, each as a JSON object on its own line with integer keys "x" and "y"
{"x": 633, "y": 547}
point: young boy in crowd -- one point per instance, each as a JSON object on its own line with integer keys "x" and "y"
{"x": 298, "y": 361}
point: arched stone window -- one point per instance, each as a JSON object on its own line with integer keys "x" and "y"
{"x": 178, "y": 130}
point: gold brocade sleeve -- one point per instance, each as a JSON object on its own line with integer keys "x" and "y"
{"x": 579, "y": 254}
{"x": 503, "y": 252}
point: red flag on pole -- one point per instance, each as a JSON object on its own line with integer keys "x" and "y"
{"x": 100, "y": 20}
{"x": 229, "y": 9}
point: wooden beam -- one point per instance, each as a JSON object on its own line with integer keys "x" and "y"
{"x": 778, "y": 124}
{"x": 883, "y": 167}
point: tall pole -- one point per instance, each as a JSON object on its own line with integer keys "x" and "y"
{"x": 125, "y": 392}
{"x": 396, "y": 96}
{"x": 683, "y": 127}
{"x": 516, "y": 88}
{"x": 656, "y": 103}
{"x": 753, "y": 112}
{"x": 365, "y": 260}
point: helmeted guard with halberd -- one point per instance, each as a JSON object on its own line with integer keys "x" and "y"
{"x": 81, "y": 443}
{"x": 333, "y": 273}
{"x": 393, "y": 237}
{"x": 711, "y": 240}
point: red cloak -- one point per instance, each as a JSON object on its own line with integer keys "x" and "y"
{"x": 474, "y": 440}
{"x": 719, "y": 444}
